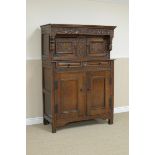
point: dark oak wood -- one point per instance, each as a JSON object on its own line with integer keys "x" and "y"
{"x": 77, "y": 73}
{"x": 69, "y": 94}
{"x": 98, "y": 92}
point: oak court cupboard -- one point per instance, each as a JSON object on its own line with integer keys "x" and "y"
{"x": 77, "y": 73}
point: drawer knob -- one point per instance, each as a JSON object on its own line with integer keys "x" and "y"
{"x": 68, "y": 65}
{"x": 85, "y": 64}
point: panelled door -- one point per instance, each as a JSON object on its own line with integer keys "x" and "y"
{"x": 98, "y": 92}
{"x": 69, "y": 94}
{"x": 70, "y": 47}
{"x": 65, "y": 47}
{"x": 98, "y": 46}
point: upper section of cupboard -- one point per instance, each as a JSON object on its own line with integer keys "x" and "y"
{"x": 76, "y": 42}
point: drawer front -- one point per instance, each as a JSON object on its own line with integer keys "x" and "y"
{"x": 99, "y": 63}
{"x": 83, "y": 66}
{"x": 103, "y": 64}
{"x": 68, "y": 64}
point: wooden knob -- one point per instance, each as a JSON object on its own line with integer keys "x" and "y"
{"x": 85, "y": 64}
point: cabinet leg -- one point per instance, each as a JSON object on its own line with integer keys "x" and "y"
{"x": 53, "y": 126}
{"x": 53, "y": 130}
{"x": 110, "y": 121}
{"x": 46, "y": 122}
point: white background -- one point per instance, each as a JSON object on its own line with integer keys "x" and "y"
{"x": 142, "y": 77}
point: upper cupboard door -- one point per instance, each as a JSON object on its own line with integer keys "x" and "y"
{"x": 98, "y": 46}
{"x": 65, "y": 48}
{"x": 70, "y": 48}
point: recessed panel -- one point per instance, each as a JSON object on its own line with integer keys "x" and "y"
{"x": 45, "y": 44}
{"x": 98, "y": 46}
{"x": 98, "y": 92}
{"x": 65, "y": 46}
{"x": 69, "y": 95}
{"x": 47, "y": 104}
{"x": 47, "y": 79}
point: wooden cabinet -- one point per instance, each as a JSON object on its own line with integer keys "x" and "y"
{"x": 78, "y": 74}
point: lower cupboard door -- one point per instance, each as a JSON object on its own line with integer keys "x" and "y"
{"x": 69, "y": 95}
{"x": 98, "y": 92}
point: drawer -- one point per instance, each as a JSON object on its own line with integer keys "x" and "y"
{"x": 97, "y": 64}
{"x": 68, "y": 64}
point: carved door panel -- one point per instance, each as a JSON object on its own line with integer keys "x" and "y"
{"x": 70, "y": 48}
{"x": 98, "y": 46}
{"x": 65, "y": 48}
{"x": 69, "y": 94}
{"x": 98, "y": 92}
{"x": 81, "y": 46}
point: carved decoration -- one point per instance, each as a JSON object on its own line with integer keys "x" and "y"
{"x": 55, "y": 30}
{"x": 86, "y": 31}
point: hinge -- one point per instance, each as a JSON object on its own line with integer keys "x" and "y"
{"x": 55, "y": 85}
{"x": 56, "y": 108}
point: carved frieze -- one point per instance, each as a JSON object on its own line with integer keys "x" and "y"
{"x": 80, "y": 31}
{"x": 101, "y": 43}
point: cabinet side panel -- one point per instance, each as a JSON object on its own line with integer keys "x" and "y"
{"x": 112, "y": 86}
{"x": 45, "y": 45}
{"x": 47, "y": 104}
{"x": 46, "y": 73}
{"x": 47, "y": 78}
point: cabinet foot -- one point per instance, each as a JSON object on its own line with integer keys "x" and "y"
{"x": 53, "y": 130}
{"x": 110, "y": 121}
{"x": 46, "y": 122}
{"x": 53, "y": 124}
